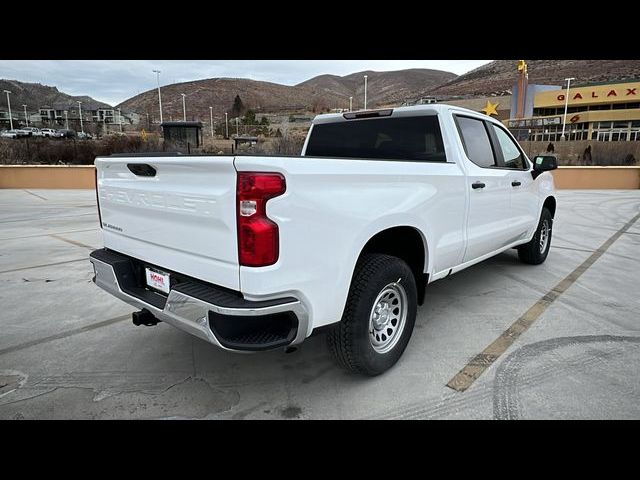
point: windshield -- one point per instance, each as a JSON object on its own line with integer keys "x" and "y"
{"x": 401, "y": 138}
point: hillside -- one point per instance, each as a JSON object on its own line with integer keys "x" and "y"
{"x": 383, "y": 88}
{"x": 219, "y": 93}
{"x": 317, "y": 94}
{"x": 499, "y": 76}
{"x": 36, "y": 95}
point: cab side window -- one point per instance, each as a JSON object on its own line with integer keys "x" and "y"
{"x": 476, "y": 141}
{"x": 512, "y": 157}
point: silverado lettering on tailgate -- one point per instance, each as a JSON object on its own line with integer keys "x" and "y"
{"x": 191, "y": 204}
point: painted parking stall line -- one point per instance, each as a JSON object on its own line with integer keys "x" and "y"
{"x": 478, "y": 364}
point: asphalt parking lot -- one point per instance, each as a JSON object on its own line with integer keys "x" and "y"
{"x": 69, "y": 349}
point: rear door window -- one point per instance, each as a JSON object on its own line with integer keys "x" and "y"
{"x": 476, "y": 141}
{"x": 403, "y": 138}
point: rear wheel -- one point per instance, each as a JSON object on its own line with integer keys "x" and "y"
{"x": 535, "y": 252}
{"x": 378, "y": 318}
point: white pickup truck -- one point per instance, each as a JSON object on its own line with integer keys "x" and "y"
{"x": 254, "y": 253}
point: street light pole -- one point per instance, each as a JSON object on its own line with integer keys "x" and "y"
{"x": 120, "y": 120}
{"x": 226, "y": 125}
{"x": 211, "y": 116}
{"x": 350, "y": 103}
{"x": 157, "y": 72}
{"x": 9, "y": 104}
{"x": 80, "y": 114}
{"x": 365, "y": 92}
{"x": 26, "y": 119}
{"x": 237, "y": 128}
{"x": 566, "y": 104}
{"x": 66, "y": 120}
{"x": 184, "y": 108}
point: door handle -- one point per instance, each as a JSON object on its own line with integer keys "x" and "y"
{"x": 475, "y": 185}
{"x": 515, "y": 184}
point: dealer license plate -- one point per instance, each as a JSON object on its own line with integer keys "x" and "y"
{"x": 157, "y": 279}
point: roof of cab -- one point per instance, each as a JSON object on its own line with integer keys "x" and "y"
{"x": 428, "y": 109}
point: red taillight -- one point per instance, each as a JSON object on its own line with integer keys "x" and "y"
{"x": 257, "y": 235}
{"x": 98, "y": 197}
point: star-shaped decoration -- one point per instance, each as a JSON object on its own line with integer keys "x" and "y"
{"x": 491, "y": 108}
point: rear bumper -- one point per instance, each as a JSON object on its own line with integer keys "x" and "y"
{"x": 217, "y": 315}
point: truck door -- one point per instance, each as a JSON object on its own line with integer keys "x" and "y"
{"x": 488, "y": 219}
{"x": 524, "y": 199}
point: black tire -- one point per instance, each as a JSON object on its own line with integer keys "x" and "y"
{"x": 349, "y": 340}
{"x": 530, "y": 252}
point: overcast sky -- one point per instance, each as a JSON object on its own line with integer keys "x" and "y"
{"x": 113, "y": 81}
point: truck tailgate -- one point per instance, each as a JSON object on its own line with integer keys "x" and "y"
{"x": 182, "y": 218}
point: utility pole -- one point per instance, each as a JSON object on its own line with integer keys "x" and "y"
{"x": 184, "y": 108}
{"x": 66, "y": 120}
{"x": 9, "y": 104}
{"x": 26, "y": 119}
{"x": 365, "y": 92}
{"x": 120, "y": 120}
{"x": 157, "y": 72}
{"x": 226, "y": 125}
{"x": 350, "y": 104}
{"x": 566, "y": 104}
{"x": 211, "y": 116}
{"x": 80, "y": 114}
{"x": 237, "y": 131}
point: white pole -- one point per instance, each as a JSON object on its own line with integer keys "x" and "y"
{"x": 566, "y": 104}
{"x": 184, "y": 108}
{"x": 226, "y": 125}
{"x": 157, "y": 72}
{"x": 66, "y": 120}
{"x": 9, "y": 104}
{"x": 211, "y": 115}
{"x": 350, "y": 103}
{"x": 80, "y": 113}
{"x": 237, "y": 132}
{"x": 120, "y": 120}
{"x": 26, "y": 119}
{"x": 365, "y": 92}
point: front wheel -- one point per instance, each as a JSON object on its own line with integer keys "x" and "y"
{"x": 535, "y": 252}
{"x": 378, "y": 318}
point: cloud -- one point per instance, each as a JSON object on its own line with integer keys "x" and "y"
{"x": 113, "y": 81}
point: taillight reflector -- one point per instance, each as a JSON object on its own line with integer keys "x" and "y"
{"x": 258, "y": 239}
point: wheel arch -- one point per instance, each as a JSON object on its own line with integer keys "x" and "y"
{"x": 407, "y": 243}
{"x": 550, "y": 204}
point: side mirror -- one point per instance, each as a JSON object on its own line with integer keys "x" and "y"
{"x": 544, "y": 163}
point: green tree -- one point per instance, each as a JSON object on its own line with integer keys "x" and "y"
{"x": 238, "y": 107}
{"x": 249, "y": 117}
{"x": 264, "y": 121}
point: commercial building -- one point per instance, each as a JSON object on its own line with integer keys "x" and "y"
{"x": 606, "y": 112}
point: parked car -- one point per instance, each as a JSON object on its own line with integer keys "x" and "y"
{"x": 343, "y": 238}
{"x": 51, "y": 133}
{"x": 67, "y": 133}
{"x": 31, "y": 131}
{"x": 8, "y": 134}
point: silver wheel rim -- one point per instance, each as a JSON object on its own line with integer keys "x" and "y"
{"x": 388, "y": 317}
{"x": 544, "y": 235}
